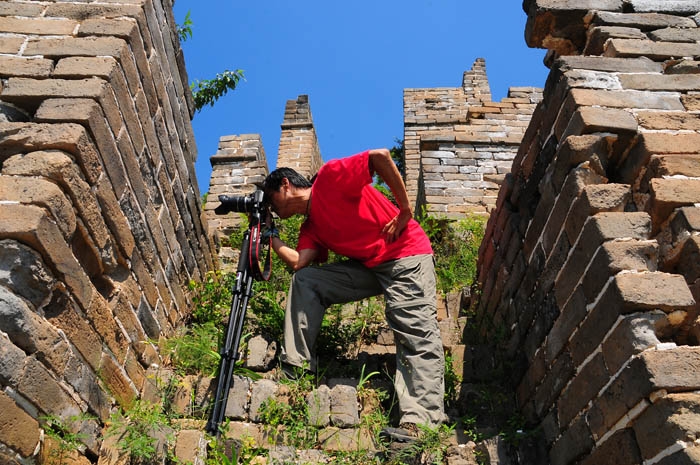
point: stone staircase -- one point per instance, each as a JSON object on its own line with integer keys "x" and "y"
{"x": 339, "y": 409}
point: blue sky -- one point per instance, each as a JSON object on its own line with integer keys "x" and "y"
{"x": 353, "y": 59}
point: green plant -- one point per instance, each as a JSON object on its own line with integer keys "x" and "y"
{"x": 184, "y": 31}
{"x": 430, "y": 447}
{"x": 194, "y": 350}
{"x": 66, "y": 441}
{"x": 143, "y": 431}
{"x": 456, "y": 247}
{"x": 208, "y": 91}
{"x": 287, "y": 418}
{"x": 452, "y": 380}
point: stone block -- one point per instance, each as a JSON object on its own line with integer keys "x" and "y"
{"x": 585, "y": 385}
{"x": 42, "y": 193}
{"x": 18, "y": 430}
{"x": 72, "y": 138}
{"x": 261, "y": 391}
{"x": 555, "y": 379}
{"x": 573, "y": 444}
{"x": 619, "y": 449}
{"x": 669, "y": 120}
{"x": 658, "y": 51}
{"x": 588, "y": 120}
{"x": 672, "y": 419}
{"x": 648, "y": 372}
{"x": 598, "y": 229}
{"x": 665, "y": 6}
{"x": 25, "y": 67}
{"x": 11, "y": 45}
{"x": 346, "y": 439}
{"x": 117, "y": 381}
{"x": 669, "y": 194}
{"x": 61, "y": 169}
{"x": 686, "y": 456}
{"x": 615, "y": 256}
{"x": 25, "y": 273}
{"x": 667, "y": 166}
{"x": 29, "y": 93}
{"x": 37, "y": 26}
{"x": 121, "y": 27}
{"x": 344, "y": 407}
{"x": 655, "y": 143}
{"x": 191, "y": 447}
{"x": 642, "y": 20}
{"x": 85, "y": 67}
{"x": 599, "y": 35}
{"x": 633, "y": 334}
{"x": 43, "y": 390}
{"x": 570, "y": 317}
{"x": 58, "y": 47}
{"x": 319, "y": 402}
{"x": 662, "y": 82}
{"x": 11, "y": 361}
{"x": 627, "y": 99}
{"x": 628, "y": 293}
{"x": 34, "y": 227}
{"x": 237, "y": 404}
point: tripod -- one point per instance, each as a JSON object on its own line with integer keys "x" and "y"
{"x": 247, "y": 271}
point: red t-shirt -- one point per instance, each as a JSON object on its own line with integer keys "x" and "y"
{"x": 347, "y": 216}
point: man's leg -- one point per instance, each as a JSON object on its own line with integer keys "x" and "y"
{"x": 313, "y": 289}
{"x": 412, "y": 315}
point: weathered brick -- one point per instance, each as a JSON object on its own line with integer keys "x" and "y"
{"x": 641, "y": 20}
{"x": 655, "y": 143}
{"x": 72, "y": 138}
{"x": 589, "y": 379}
{"x": 122, "y": 27}
{"x": 18, "y": 430}
{"x": 575, "y": 442}
{"x": 58, "y": 167}
{"x": 85, "y": 67}
{"x": 615, "y": 256}
{"x": 11, "y": 45}
{"x": 37, "y": 26}
{"x": 597, "y": 229}
{"x": 648, "y": 48}
{"x": 598, "y": 36}
{"x": 628, "y": 293}
{"x": 669, "y": 120}
{"x": 587, "y": 120}
{"x": 661, "y": 82}
{"x": 665, "y": 6}
{"x": 596, "y": 198}
{"x": 28, "y": 93}
{"x": 25, "y": 67}
{"x": 686, "y": 456}
{"x": 39, "y": 386}
{"x": 627, "y": 99}
{"x": 619, "y": 449}
{"x": 673, "y": 418}
{"x": 34, "y": 227}
{"x": 75, "y": 46}
{"x": 99, "y": 314}
{"x": 20, "y": 9}
{"x": 117, "y": 381}
{"x": 669, "y": 194}
{"x": 632, "y": 335}
{"x": 43, "y": 193}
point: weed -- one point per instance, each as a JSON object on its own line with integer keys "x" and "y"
{"x": 452, "y": 380}
{"x": 143, "y": 432}
{"x": 66, "y": 440}
{"x": 429, "y": 448}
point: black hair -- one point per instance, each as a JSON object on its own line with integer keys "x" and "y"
{"x": 273, "y": 181}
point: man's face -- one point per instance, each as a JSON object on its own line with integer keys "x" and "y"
{"x": 278, "y": 200}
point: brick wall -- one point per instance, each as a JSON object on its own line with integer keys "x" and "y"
{"x": 459, "y": 144}
{"x": 100, "y": 216}
{"x": 590, "y": 260}
{"x": 298, "y": 147}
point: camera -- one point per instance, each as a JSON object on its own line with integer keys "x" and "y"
{"x": 253, "y": 203}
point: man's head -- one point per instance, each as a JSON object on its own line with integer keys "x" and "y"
{"x": 283, "y": 179}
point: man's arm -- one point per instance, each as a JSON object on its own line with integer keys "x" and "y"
{"x": 381, "y": 163}
{"x": 295, "y": 260}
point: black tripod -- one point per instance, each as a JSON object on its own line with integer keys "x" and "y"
{"x": 247, "y": 271}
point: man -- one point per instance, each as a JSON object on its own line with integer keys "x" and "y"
{"x": 389, "y": 253}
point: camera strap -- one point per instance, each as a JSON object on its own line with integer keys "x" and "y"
{"x": 256, "y": 244}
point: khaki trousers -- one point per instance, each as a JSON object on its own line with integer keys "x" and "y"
{"x": 408, "y": 285}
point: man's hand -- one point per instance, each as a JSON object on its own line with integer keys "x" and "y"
{"x": 397, "y": 224}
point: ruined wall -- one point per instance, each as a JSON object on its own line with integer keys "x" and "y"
{"x": 459, "y": 144}
{"x": 100, "y": 226}
{"x": 237, "y": 165}
{"x": 298, "y": 147}
{"x": 590, "y": 261}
